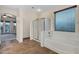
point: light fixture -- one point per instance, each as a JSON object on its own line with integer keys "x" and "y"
{"x": 33, "y": 7}
{"x": 4, "y": 16}
{"x": 39, "y": 10}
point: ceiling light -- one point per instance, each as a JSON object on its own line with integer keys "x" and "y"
{"x": 4, "y": 16}
{"x": 39, "y": 10}
{"x": 32, "y": 7}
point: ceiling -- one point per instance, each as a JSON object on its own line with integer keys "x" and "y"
{"x": 35, "y": 7}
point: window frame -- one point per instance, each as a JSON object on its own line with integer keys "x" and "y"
{"x": 61, "y": 11}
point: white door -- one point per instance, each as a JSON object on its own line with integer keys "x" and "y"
{"x": 41, "y": 25}
{"x": 38, "y": 27}
{"x": 35, "y": 30}
{"x": 47, "y": 34}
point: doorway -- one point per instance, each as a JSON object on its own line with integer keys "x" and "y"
{"x": 7, "y": 27}
{"x": 41, "y": 25}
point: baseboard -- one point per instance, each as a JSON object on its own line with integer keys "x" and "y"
{"x": 26, "y": 38}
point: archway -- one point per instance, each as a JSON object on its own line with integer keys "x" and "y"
{"x": 8, "y": 27}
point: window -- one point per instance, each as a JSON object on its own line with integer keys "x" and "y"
{"x": 65, "y": 19}
{"x": 14, "y": 27}
{"x": 1, "y": 27}
{"x": 7, "y": 27}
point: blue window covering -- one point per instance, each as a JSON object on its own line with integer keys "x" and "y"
{"x": 65, "y": 20}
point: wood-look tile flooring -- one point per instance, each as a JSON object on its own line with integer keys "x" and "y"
{"x": 27, "y": 47}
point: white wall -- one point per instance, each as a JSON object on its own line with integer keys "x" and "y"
{"x": 62, "y": 42}
{"x": 28, "y": 18}
{"x": 19, "y": 20}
